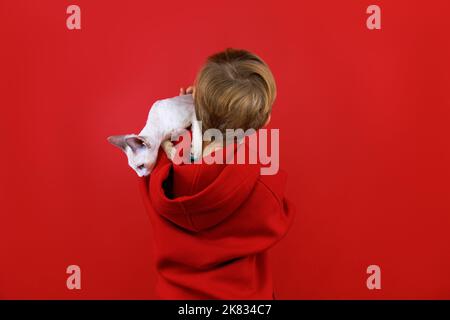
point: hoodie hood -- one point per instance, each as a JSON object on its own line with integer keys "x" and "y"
{"x": 198, "y": 196}
{"x": 212, "y": 227}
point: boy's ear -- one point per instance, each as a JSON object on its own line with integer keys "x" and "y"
{"x": 134, "y": 142}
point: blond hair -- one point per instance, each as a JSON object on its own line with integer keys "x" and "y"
{"x": 234, "y": 89}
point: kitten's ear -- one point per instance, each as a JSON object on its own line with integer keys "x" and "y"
{"x": 118, "y": 141}
{"x": 133, "y": 141}
{"x": 136, "y": 143}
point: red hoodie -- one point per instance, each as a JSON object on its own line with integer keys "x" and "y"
{"x": 212, "y": 227}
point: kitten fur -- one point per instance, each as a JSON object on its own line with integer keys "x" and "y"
{"x": 166, "y": 119}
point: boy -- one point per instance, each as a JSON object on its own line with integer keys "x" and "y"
{"x": 213, "y": 223}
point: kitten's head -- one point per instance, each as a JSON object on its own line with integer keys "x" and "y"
{"x": 140, "y": 152}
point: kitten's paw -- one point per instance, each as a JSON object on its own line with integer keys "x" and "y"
{"x": 171, "y": 153}
{"x": 169, "y": 149}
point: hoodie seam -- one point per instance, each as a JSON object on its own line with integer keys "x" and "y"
{"x": 188, "y": 216}
{"x": 271, "y": 191}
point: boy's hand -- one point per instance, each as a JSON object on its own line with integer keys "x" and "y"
{"x": 189, "y": 90}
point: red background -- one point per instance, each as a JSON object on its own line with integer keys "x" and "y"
{"x": 364, "y": 128}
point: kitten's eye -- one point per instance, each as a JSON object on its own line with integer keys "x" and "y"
{"x": 141, "y": 167}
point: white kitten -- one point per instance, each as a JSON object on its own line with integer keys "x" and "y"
{"x": 167, "y": 118}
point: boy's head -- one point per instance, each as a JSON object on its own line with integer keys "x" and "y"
{"x": 235, "y": 89}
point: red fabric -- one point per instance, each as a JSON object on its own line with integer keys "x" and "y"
{"x": 212, "y": 227}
